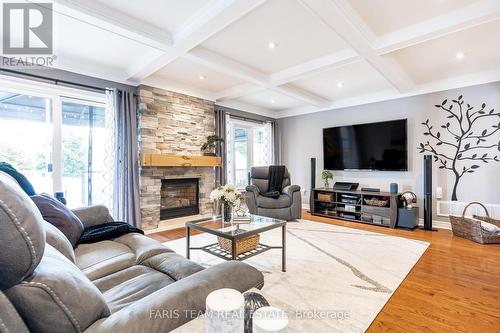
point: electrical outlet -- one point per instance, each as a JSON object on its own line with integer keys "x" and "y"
{"x": 439, "y": 193}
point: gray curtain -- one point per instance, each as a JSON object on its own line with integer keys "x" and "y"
{"x": 220, "y": 130}
{"x": 276, "y": 143}
{"x": 126, "y": 182}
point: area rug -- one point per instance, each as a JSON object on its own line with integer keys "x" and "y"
{"x": 337, "y": 280}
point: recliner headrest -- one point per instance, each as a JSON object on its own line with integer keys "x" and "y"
{"x": 22, "y": 235}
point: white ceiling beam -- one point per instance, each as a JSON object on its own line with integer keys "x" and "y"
{"x": 302, "y": 95}
{"x": 333, "y": 15}
{"x": 181, "y": 88}
{"x": 205, "y": 57}
{"x": 210, "y": 20}
{"x": 477, "y": 13}
{"x": 238, "y": 91}
{"x": 106, "y": 18}
{"x": 336, "y": 59}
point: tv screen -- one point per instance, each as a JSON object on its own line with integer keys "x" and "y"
{"x": 375, "y": 146}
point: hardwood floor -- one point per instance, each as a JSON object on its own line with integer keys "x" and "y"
{"x": 455, "y": 286}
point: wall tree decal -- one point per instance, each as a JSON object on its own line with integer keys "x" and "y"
{"x": 463, "y": 143}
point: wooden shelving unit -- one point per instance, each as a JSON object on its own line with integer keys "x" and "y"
{"x": 356, "y": 206}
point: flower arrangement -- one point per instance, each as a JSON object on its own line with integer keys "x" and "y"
{"x": 226, "y": 195}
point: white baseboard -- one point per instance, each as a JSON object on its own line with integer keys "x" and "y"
{"x": 435, "y": 223}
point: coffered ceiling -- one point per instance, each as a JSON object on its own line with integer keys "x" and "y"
{"x": 283, "y": 57}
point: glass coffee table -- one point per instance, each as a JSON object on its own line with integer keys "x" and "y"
{"x": 234, "y": 232}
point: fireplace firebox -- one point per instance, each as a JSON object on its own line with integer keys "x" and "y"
{"x": 179, "y": 197}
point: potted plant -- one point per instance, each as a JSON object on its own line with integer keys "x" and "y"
{"x": 227, "y": 196}
{"x": 325, "y": 175}
{"x": 208, "y": 148}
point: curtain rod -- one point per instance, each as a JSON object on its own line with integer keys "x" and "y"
{"x": 55, "y": 81}
{"x": 248, "y": 119}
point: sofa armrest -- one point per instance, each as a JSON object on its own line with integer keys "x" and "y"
{"x": 252, "y": 188}
{"x": 93, "y": 215}
{"x": 181, "y": 301}
{"x": 288, "y": 190}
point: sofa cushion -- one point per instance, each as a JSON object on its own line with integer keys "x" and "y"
{"x": 93, "y": 215}
{"x": 57, "y": 297}
{"x": 173, "y": 265}
{"x": 142, "y": 246}
{"x": 57, "y": 240}
{"x": 22, "y": 236}
{"x": 103, "y": 258}
{"x": 283, "y": 201}
{"x": 57, "y": 214}
{"x": 131, "y": 285}
{"x": 10, "y": 321}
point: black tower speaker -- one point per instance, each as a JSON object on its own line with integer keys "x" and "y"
{"x": 428, "y": 192}
{"x": 313, "y": 184}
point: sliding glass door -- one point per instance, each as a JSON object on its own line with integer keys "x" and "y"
{"x": 59, "y": 143}
{"x": 26, "y": 136}
{"x": 250, "y": 144}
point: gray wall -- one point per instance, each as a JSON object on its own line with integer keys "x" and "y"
{"x": 302, "y": 139}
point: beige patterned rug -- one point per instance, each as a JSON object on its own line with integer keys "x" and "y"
{"x": 337, "y": 280}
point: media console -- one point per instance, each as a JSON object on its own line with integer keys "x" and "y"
{"x": 379, "y": 208}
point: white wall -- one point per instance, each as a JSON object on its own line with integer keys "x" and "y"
{"x": 302, "y": 139}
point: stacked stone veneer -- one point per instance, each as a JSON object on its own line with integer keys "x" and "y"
{"x": 172, "y": 123}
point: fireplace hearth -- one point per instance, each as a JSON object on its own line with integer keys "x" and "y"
{"x": 179, "y": 197}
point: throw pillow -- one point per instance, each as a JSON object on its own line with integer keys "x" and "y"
{"x": 489, "y": 227}
{"x": 54, "y": 212}
{"x": 19, "y": 177}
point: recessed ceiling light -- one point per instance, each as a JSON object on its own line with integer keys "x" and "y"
{"x": 272, "y": 45}
{"x": 273, "y": 101}
{"x": 202, "y": 77}
{"x": 460, "y": 55}
{"x": 340, "y": 84}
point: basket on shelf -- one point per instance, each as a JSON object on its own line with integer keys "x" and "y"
{"x": 470, "y": 228}
{"x": 376, "y": 202}
{"x": 242, "y": 245}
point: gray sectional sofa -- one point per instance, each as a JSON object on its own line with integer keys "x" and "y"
{"x": 128, "y": 284}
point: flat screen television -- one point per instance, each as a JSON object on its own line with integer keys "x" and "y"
{"x": 374, "y": 146}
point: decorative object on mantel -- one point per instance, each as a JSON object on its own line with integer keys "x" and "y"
{"x": 408, "y": 198}
{"x": 465, "y": 140}
{"x": 225, "y": 311}
{"x": 473, "y": 228}
{"x": 269, "y": 319}
{"x": 228, "y": 197}
{"x": 326, "y": 175}
{"x": 209, "y": 147}
{"x": 253, "y": 302}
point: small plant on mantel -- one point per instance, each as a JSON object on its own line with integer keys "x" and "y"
{"x": 208, "y": 148}
{"x": 326, "y": 175}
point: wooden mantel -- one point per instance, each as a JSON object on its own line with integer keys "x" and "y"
{"x": 170, "y": 160}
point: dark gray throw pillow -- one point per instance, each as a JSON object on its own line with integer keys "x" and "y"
{"x": 54, "y": 212}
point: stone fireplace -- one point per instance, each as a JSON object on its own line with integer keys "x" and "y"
{"x": 172, "y": 123}
{"x": 179, "y": 197}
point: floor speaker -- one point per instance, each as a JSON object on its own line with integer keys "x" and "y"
{"x": 313, "y": 184}
{"x": 428, "y": 192}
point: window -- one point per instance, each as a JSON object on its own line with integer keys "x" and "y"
{"x": 249, "y": 144}
{"x": 57, "y": 138}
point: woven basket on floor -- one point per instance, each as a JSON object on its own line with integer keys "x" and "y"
{"x": 242, "y": 245}
{"x": 470, "y": 228}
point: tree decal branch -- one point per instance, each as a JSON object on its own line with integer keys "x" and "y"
{"x": 461, "y": 146}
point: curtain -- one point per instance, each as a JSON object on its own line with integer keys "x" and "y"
{"x": 126, "y": 185}
{"x": 276, "y": 143}
{"x": 109, "y": 152}
{"x": 220, "y": 130}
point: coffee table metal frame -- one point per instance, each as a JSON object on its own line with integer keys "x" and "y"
{"x": 216, "y": 250}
